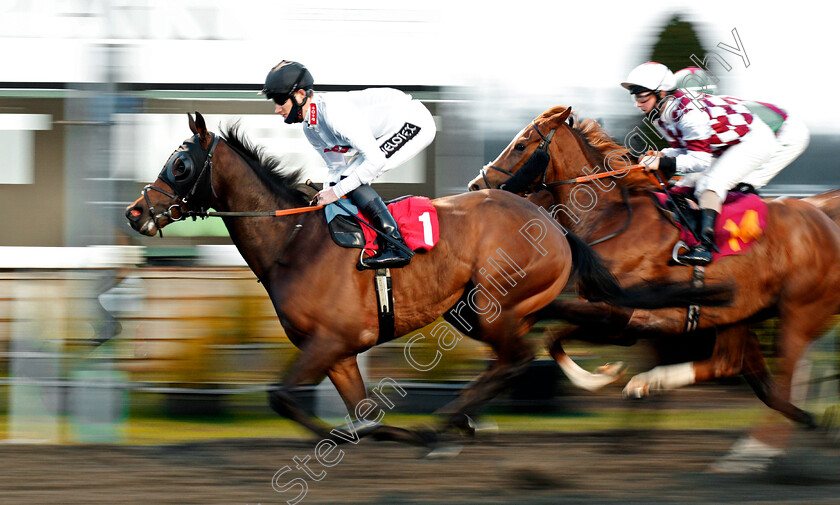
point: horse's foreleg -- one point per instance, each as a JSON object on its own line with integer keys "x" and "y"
{"x": 348, "y": 381}
{"x": 582, "y": 312}
{"x": 600, "y": 323}
{"x": 317, "y": 358}
{"x": 727, "y": 360}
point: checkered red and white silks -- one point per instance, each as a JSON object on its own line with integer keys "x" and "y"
{"x": 728, "y": 122}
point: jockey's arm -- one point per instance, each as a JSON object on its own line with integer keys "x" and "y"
{"x": 358, "y": 135}
{"x": 696, "y": 156}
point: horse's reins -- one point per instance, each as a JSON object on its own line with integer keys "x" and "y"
{"x": 208, "y": 168}
{"x": 543, "y": 146}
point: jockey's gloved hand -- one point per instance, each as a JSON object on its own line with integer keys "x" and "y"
{"x": 668, "y": 166}
{"x": 650, "y": 162}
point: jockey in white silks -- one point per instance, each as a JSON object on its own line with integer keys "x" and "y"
{"x": 360, "y": 135}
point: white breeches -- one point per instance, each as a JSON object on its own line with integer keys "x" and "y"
{"x": 736, "y": 163}
{"x": 791, "y": 140}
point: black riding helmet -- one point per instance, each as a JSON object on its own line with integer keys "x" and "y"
{"x": 281, "y": 83}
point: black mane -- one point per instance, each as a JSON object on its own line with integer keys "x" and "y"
{"x": 281, "y": 183}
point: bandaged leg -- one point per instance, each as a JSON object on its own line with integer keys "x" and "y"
{"x": 660, "y": 378}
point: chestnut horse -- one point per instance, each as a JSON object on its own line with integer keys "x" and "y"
{"x": 481, "y": 275}
{"x": 791, "y": 272}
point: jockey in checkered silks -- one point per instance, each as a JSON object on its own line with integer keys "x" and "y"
{"x": 717, "y": 142}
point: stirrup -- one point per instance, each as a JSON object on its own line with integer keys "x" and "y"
{"x": 361, "y": 265}
{"x": 675, "y": 252}
{"x": 698, "y": 261}
{"x": 365, "y": 265}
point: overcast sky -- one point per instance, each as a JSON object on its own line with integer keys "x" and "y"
{"x": 576, "y": 52}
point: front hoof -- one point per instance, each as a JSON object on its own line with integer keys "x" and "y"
{"x": 461, "y": 423}
{"x": 445, "y": 451}
{"x": 637, "y": 388}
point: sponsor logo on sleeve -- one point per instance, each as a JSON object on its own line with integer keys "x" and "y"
{"x": 393, "y": 144}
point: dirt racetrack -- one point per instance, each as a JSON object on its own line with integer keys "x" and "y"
{"x": 608, "y": 467}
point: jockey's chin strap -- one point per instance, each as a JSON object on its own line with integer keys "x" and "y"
{"x": 173, "y": 211}
{"x": 543, "y": 146}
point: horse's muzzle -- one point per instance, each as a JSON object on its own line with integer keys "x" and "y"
{"x": 138, "y": 218}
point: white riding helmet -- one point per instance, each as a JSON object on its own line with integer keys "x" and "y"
{"x": 651, "y": 75}
{"x": 695, "y": 80}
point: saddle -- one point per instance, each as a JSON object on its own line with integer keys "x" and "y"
{"x": 416, "y": 218}
{"x": 740, "y": 224}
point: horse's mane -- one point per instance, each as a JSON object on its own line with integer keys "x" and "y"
{"x": 268, "y": 168}
{"x": 602, "y": 147}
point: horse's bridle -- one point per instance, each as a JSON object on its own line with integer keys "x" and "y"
{"x": 173, "y": 211}
{"x": 543, "y": 185}
{"x": 543, "y": 146}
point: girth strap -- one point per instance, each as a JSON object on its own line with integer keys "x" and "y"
{"x": 692, "y": 316}
{"x": 384, "y": 304}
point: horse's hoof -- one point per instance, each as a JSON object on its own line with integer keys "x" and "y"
{"x": 486, "y": 429}
{"x": 636, "y": 392}
{"x": 613, "y": 369}
{"x": 747, "y": 455}
{"x": 445, "y": 451}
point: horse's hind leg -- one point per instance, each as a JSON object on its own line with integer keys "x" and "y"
{"x": 799, "y": 326}
{"x": 514, "y": 355}
{"x": 759, "y": 378}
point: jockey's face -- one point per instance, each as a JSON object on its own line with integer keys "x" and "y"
{"x": 646, "y": 101}
{"x": 285, "y": 108}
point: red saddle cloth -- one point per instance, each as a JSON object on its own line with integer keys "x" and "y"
{"x": 740, "y": 224}
{"x": 417, "y": 220}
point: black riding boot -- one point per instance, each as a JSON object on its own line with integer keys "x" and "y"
{"x": 701, "y": 254}
{"x": 390, "y": 256}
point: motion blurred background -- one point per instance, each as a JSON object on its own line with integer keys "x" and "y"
{"x": 93, "y": 99}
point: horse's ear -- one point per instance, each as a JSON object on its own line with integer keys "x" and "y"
{"x": 563, "y": 115}
{"x": 193, "y": 128}
{"x": 200, "y": 124}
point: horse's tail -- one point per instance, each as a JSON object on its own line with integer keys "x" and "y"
{"x": 599, "y": 284}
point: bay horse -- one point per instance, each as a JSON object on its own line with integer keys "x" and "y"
{"x": 792, "y": 272}
{"x": 328, "y": 309}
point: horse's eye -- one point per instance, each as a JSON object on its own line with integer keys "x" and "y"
{"x": 178, "y": 168}
{"x": 519, "y": 146}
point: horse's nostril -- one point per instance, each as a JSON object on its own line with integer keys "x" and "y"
{"x": 133, "y": 213}
{"x": 473, "y": 187}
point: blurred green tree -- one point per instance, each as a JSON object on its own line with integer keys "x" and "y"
{"x": 676, "y": 44}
